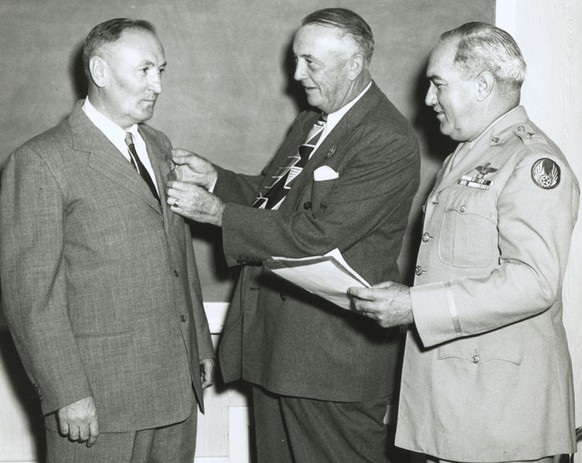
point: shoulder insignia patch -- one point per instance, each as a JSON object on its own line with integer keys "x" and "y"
{"x": 545, "y": 173}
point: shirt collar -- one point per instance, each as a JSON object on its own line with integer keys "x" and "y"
{"x": 110, "y": 129}
{"x": 335, "y": 117}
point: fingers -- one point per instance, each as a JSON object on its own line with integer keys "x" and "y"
{"x": 85, "y": 432}
{"x": 180, "y": 156}
{"x": 78, "y": 421}
{"x": 93, "y": 433}
{"x": 364, "y": 294}
{"x": 207, "y": 373}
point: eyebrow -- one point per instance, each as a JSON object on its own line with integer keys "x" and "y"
{"x": 151, "y": 64}
{"x": 434, "y": 77}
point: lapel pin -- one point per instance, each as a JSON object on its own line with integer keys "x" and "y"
{"x": 331, "y": 152}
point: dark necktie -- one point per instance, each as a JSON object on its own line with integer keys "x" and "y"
{"x": 273, "y": 193}
{"x": 135, "y": 161}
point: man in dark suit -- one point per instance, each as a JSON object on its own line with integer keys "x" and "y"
{"x": 99, "y": 283}
{"x": 321, "y": 376}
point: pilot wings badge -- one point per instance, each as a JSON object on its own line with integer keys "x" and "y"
{"x": 545, "y": 173}
{"x": 478, "y": 181}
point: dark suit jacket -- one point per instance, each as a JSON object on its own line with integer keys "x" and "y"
{"x": 99, "y": 283}
{"x": 281, "y": 337}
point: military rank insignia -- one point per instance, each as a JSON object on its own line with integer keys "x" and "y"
{"x": 545, "y": 173}
{"x": 479, "y": 181}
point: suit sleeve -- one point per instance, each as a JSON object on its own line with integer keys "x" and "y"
{"x": 534, "y": 228}
{"x": 378, "y": 176}
{"x": 33, "y": 278}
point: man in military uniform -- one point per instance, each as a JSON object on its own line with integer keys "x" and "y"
{"x": 487, "y": 373}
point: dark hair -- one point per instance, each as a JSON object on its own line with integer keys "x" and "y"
{"x": 109, "y": 32}
{"x": 483, "y": 47}
{"x": 350, "y": 23}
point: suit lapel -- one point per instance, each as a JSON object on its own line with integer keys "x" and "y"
{"x": 105, "y": 158}
{"x": 161, "y": 162}
{"x": 335, "y": 138}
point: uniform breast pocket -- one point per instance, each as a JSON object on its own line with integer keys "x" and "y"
{"x": 468, "y": 235}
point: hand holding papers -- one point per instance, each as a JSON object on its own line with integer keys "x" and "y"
{"x": 328, "y": 276}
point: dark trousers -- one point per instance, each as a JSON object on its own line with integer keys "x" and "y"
{"x": 296, "y": 430}
{"x": 175, "y": 443}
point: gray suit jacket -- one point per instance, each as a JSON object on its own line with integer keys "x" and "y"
{"x": 281, "y": 337}
{"x": 99, "y": 283}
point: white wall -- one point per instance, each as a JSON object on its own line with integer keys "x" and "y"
{"x": 549, "y": 33}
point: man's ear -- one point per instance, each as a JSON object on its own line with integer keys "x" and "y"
{"x": 485, "y": 82}
{"x": 356, "y": 66}
{"x": 99, "y": 71}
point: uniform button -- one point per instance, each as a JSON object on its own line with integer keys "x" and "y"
{"x": 426, "y": 237}
{"x": 184, "y": 318}
{"x": 476, "y": 358}
{"x": 283, "y": 297}
{"x": 307, "y": 205}
{"x": 419, "y": 270}
{"x": 435, "y": 201}
{"x": 462, "y": 209}
{"x": 176, "y": 273}
{"x": 521, "y": 128}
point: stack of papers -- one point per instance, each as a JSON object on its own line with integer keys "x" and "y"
{"x": 328, "y": 276}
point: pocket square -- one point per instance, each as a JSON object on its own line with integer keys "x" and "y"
{"x": 324, "y": 173}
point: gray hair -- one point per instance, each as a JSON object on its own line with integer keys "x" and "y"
{"x": 350, "y": 23}
{"x": 109, "y": 32}
{"x": 483, "y": 47}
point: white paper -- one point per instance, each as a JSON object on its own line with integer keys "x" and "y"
{"x": 328, "y": 276}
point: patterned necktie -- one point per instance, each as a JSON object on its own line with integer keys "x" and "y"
{"x": 273, "y": 193}
{"x": 135, "y": 161}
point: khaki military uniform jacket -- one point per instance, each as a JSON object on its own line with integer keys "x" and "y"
{"x": 487, "y": 374}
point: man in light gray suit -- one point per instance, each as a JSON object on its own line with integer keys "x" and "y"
{"x": 99, "y": 282}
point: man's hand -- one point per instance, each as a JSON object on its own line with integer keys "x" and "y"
{"x": 207, "y": 372}
{"x": 194, "y": 202}
{"x": 78, "y": 421}
{"x": 193, "y": 169}
{"x": 387, "y": 303}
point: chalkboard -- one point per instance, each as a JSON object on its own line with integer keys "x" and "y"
{"x": 228, "y": 91}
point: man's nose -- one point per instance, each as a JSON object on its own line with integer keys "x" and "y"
{"x": 155, "y": 83}
{"x": 300, "y": 70}
{"x": 430, "y": 98}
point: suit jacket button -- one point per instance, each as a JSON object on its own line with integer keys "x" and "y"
{"x": 183, "y": 318}
{"x": 283, "y": 297}
{"x": 307, "y": 205}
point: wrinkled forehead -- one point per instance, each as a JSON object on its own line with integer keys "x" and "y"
{"x": 134, "y": 41}
{"x": 322, "y": 39}
{"x": 442, "y": 57}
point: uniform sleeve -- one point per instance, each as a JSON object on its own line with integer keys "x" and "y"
{"x": 33, "y": 279}
{"x": 535, "y": 222}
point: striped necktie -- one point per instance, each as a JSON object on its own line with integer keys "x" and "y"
{"x": 136, "y": 162}
{"x": 273, "y": 193}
